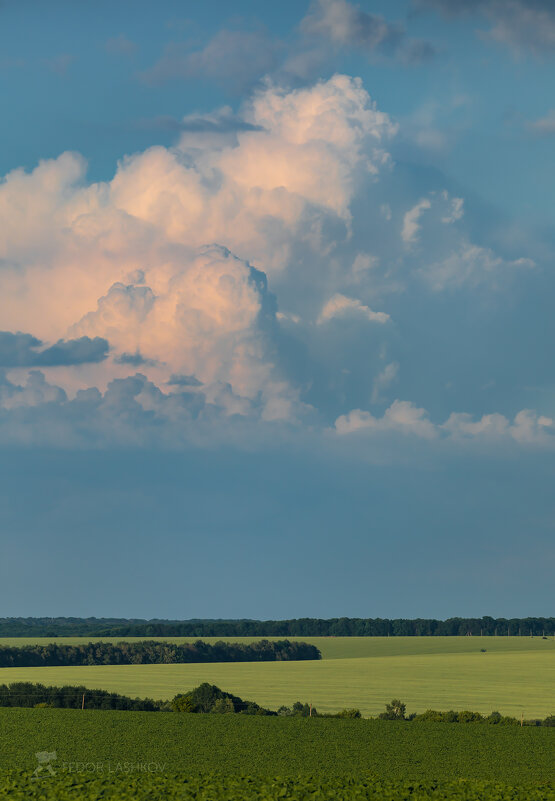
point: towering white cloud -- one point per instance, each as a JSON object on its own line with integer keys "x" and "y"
{"x": 177, "y": 268}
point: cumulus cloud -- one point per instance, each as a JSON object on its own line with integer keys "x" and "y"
{"x": 527, "y": 427}
{"x": 22, "y": 350}
{"x": 127, "y": 260}
{"x": 523, "y": 25}
{"x": 207, "y": 264}
{"x": 130, "y": 412}
{"x": 401, "y": 416}
{"x": 340, "y": 306}
{"x": 135, "y": 412}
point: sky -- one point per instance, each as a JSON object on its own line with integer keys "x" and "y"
{"x": 276, "y": 289}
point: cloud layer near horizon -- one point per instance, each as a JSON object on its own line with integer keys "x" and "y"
{"x": 242, "y": 259}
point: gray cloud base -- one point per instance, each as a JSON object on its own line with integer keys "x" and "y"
{"x": 21, "y": 350}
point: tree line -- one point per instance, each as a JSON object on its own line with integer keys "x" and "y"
{"x": 209, "y": 699}
{"x": 301, "y": 627}
{"x": 28, "y": 694}
{"x": 150, "y": 652}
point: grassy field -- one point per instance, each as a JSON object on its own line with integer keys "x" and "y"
{"x": 95, "y": 740}
{"x": 515, "y": 675}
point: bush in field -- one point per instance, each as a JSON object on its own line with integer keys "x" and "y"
{"x": 394, "y": 711}
{"x": 349, "y": 713}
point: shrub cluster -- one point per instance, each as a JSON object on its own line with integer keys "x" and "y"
{"x": 150, "y": 652}
{"x": 209, "y": 698}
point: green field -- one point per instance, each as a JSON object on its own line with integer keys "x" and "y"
{"x": 207, "y": 787}
{"x": 516, "y": 675}
{"x": 95, "y": 740}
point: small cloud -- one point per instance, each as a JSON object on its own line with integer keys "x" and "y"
{"x": 340, "y": 305}
{"x": 348, "y": 26}
{"x": 522, "y": 25}
{"x": 382, "y": 381}
{"x": 288, "y": 317}
{"x": 411, "y": 226}
{"x": 236, "y": 59}
{"x": 223, "y": 121}
{"x": 180, "y": 380}
{"x": 121, "y": 46}
{"x": 60, "y": 64}
{"x": 543, "y": 126}
{"x": 385, "y": 211}
{"x": 456, "y": 208}
{"x": 135, "y": 360}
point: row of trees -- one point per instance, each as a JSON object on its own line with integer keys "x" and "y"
{"x": 27, "y": 694}
{"x": 150, "y": 652}
{"x": 396, "y": 710}
{"x": 302, "y": 627}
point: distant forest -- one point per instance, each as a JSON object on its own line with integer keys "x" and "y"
{"x": 302, "y": 627}
{"x": 153, "y": 653}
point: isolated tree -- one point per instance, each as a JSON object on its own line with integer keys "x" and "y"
{"x": 394, "y": 711}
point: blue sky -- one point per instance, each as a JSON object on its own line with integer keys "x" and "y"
{"x": 276, "y": 304}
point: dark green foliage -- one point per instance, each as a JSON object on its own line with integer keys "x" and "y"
{"x": 26, "y": 694}
{"x": 150, "y": 652}
{"x": 394, "y": 711}
{"x": 349, "y": 713}
{"x": 209, "y": 698}
{"x": 494, "y": 718}
{"x": 278, "y": 746}
{"x": 302, "y": 627}
{"x": 155, "y": 787}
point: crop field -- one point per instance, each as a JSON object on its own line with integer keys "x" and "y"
{"x": 23, "y": 787}
{"x": 515, "y": 675}
{"x": 107, "y": 741}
